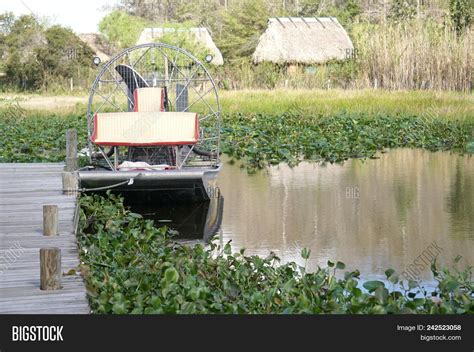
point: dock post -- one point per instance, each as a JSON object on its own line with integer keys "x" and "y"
{"x": 50, "y": 268}
{"x": 71, "y": 151}
{"x": 70, "y": 177}
{"x": 70, "y": 182}
{"x": 50, "y": 220}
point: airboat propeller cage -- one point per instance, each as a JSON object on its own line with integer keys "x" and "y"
{"x": 154, "y": 119}
{"x": 145, "y": 97}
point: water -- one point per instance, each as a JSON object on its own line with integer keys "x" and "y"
{"x": 372, "y": 215}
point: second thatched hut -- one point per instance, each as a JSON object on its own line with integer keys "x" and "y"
{"x": 200, "y": 34}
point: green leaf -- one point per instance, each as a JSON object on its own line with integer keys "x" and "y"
{"x": 305, "y": 253}
{"x": 389, "y": 272}
{"x": 373, "y": 285}
{"x": 381, "y": 293}
{"x": 119, "y": 308}
{"x": 340, "y": 265}
{"x": 227, "y": 249}
{"x": 135, "y": 215}
{"x": 132, "y": 282}
{"x": 289, "y": 284}
{"x": 393, "y": 278}
{"x": 119, "y": 304}
{"x": 434, "y": 269}
{"x": 171, "y": 275}
{"x": 419, "y": 301}
{"x": 330, "y": 264}
{"x": 450, "y": 285}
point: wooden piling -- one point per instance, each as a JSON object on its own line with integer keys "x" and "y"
{"x": 50, "y": 268}
{"x": 71, "y": 151}
{"x": 69, "y": 176}
{"x": 50, "y": 220}
{"x": 70, "y": 182}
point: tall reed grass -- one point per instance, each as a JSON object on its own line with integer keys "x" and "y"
{"x": 414, "y": 55}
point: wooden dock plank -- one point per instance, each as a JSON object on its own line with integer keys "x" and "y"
{"x": 24, "y": 189}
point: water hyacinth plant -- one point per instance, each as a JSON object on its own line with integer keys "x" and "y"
{"x": 263, "y": 140}
{"x": 25, "y": 138}
{"x": 131, "y": 266}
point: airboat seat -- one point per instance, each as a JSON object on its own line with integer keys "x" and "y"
{"x": 145, "y": 128}
{"x": 149, "y": 99}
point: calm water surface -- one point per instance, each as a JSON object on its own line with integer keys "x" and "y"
{"x": 371, "y": 215}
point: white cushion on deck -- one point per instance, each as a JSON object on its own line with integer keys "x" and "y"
{"x": 145, "y": 128}
{"x": 149, "y": 99}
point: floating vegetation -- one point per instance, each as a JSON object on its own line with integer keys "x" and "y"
{"x": 259, "y": 139}
{"x": 263, "y": 140}
{"x": 132, "y": 267}
{"x": 25, "y": 138}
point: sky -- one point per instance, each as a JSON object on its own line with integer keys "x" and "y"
{"x": 82, "y": 16}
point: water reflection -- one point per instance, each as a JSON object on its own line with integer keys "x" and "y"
{"x": 372, "y": 215}
{"x": 194, "y": 221}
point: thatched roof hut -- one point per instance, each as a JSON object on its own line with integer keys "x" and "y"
{"x": 200, "y": 33}
{"x": 301, "y": 40}
{"x": 97, "y": 44}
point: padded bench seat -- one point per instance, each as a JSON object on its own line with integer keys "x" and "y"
{"x": 145, "y": 128}
{"x": 148, "y": 99}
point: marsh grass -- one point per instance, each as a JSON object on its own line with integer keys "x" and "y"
{"x": 438, "y": 104}
{"x": 414, "y": 55}
{"x": 444, "y": 105}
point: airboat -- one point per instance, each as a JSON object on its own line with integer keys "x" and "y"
{"x": 153, "y": 123}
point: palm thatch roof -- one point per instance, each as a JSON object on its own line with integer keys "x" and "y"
{"x": 303, "y": 40}
{"x": 200, "y": 33}
{"x": 97, "y": 44}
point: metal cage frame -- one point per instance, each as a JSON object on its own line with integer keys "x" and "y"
{"x": 211, "y": 159}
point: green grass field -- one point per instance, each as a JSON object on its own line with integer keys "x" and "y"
{"x": 331, "y": 102}
{"x": 436, "y": 104}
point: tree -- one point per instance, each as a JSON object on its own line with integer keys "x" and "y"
{"x": 185, "y": 40}
{"x": 121, "y": 29}
{"x": 152, "y": 10}
{"x": 37, "y": 54}
{"x": 242, "y": 26}
{"x": 63, "y": 55}
{"x": 6, "y": 22}
{"x": 311, "y": 8}
{"x": 200, "y": 13}
{"x": 7, "y": 19}
{"x": 461, "y": 13}
{"x": 344, "y": 10}
{"x": 21, "y": 67}
{"x": 402, "y": 10}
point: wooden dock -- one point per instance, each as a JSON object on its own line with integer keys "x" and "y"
{"x": 24, "y": 189}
